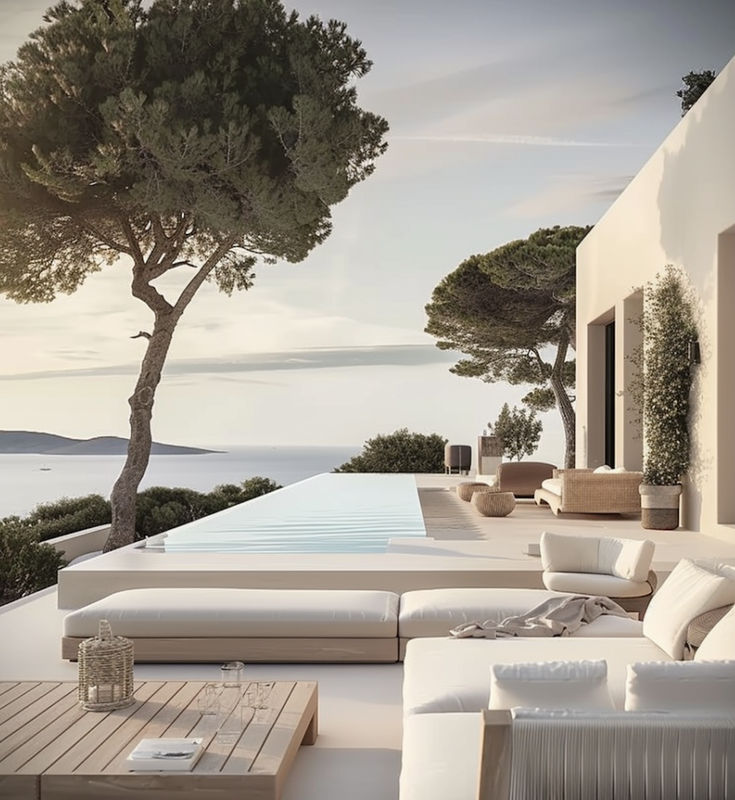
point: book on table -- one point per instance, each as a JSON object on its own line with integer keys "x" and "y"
{"x": 165, "y": 755}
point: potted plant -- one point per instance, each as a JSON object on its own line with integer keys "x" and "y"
{"x": 662, "y": 389}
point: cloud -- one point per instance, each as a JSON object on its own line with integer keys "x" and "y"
{"x": 569, "y": 193}
{"x": 306, "y": 358}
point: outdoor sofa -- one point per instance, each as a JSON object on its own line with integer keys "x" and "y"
{"x": 299, "y": 625}
{"x": 586, "y": 491}
{"x": 658, "y": 727}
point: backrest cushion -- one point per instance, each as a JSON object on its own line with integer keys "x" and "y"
{"x": 688, "y": 592}
{"x": 561, "y": 553}
{"x": 680, "y": 686}
{"x": 626, "y": 558}
{"x": 551, "y": 684}
{"x": 719, "y": 643}
{"x": 623, "y": 558}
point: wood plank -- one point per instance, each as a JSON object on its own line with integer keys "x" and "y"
{"x": 167, "y": 723}
{"x": 257, "y": 731}
{"x": 255, "y": 650}
{"x": 37, "y": 725}
{"x": 149, "y": 786}
{"x": 109, "y": 732}
{"x": 52, "y": 742}
{"x": 20, "y": 787}
{"x": 134, "y": 720}
{"x": 45, "y": 698}
{"x": 284, "y": 740}
{"x": 6, "y": 686}
{"x": 14, "y": 692}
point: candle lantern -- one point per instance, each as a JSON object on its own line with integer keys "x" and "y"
{"x": 105, "y": 671}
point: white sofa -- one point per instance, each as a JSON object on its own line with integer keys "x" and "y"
{"x": 454, "y": 748}
{"x": 209, "y": 624}
{"x": 531, "y": 755}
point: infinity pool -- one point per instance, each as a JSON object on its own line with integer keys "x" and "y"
{"x": 329, "y": 513}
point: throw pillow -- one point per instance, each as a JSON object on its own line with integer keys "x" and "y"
{"x": 680, "y": 686}
{"x": 552, "y": 684}
{"x": 603, "y": 468}
{"x": 688, "y": 592}
{"x": 719, "y": 643}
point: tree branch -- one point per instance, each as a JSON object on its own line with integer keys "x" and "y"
{"x": 190, "y": 289}
{"x": 141, "y": 335}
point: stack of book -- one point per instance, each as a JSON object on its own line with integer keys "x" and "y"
{"x": 165, "y": 755}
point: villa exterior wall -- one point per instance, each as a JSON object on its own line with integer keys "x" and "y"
{"x": 679, "y": 209}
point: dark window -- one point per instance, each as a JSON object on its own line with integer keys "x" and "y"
{"x": 610, "y": 394}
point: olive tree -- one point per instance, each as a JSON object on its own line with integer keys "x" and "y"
{"x": 178, "y": 137}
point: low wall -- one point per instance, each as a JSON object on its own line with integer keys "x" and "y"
{"x": 73, "y": 545}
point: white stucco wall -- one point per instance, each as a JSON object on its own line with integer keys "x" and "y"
{"x": 679, "y": 209}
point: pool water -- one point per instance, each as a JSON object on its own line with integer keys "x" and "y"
{"x": 329, "y": 513}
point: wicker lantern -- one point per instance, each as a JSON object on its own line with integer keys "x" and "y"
{"x": 105, "y": 671}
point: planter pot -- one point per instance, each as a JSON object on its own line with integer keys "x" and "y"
{"x": 659, "y": 506}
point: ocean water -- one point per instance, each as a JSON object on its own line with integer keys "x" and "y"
{"x": 27, "y": 480}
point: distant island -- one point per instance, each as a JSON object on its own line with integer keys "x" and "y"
{"x": 16, "y": 442}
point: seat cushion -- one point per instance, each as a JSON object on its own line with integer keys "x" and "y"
{"x": 433, "y": 612}
{"x": 552, "y": 485}
{"x": 441, "y": 675}
{"x": 441, "y": 757}
{"x": 202, "y": 612}
{"x": 594, "y": 584}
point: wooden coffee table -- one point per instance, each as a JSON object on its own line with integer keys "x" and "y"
{"x": 52, "y": 750}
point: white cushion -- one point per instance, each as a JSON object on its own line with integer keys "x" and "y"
{"x": 688, "y": 592}
{"x": 448, "y": 674}
{"x": 195, "y": 612}
{"x": 603, "y": 468}
{"x": 681, "y": 686}
{"x": 595, "y": 584}
{"x": 552, "y": 485}
{"x": 550, "y": 684}
{"x": 720, "y": 641}
{"x": 440, "y": 757}
{"x": 624, "y": 558}
{"x": 434, "y": 612}
{"x": 617, "y": 470}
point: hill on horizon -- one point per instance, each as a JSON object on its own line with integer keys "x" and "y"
{"x": 34, "y": 442}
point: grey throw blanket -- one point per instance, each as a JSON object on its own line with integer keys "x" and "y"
{"x": 558, "y": 616}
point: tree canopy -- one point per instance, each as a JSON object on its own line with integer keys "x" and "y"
{"x": 400, "y": 451}
{"x": 186, "y": 136}
{"x": 695, "y": 85}
{"x": 519, "y": 430}
{"x": 512, "y": 312}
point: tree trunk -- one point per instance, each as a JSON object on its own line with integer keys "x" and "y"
{"x": 125, "y": 491}
{"x": 563, "y": 403}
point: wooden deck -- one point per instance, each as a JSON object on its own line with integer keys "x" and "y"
{"x": 50, "y": 749}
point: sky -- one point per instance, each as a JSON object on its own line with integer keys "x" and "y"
{"x": 504, "y": 117}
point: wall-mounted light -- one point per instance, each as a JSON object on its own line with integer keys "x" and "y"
{"x": 695, "y": 357}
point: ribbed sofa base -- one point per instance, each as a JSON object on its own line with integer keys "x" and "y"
{"x": 253, "y": 650}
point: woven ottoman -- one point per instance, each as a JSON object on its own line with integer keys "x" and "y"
{"x": 466, "y": 489}
{"x": 494, "y": 504}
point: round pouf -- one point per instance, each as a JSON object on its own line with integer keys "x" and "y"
{"x": 494, "y": 504}
{"x": 466, "y": 489}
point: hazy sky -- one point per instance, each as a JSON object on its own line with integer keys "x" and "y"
{"x": 505, "y": 117}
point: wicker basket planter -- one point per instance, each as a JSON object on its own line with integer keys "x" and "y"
{"x": 105, "y": 671}
{"x": 493, "y": 503}
{"x": 466, "y": 489}
{"x": 659, "y": 507}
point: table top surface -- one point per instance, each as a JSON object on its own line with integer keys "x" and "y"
{"x": 44, "y": 731}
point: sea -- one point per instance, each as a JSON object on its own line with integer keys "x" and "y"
{"x": 28, "y": 479}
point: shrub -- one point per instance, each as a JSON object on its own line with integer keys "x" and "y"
{"x": 68, "y": 515}
{"x": 26, "y": 565}
{"x": 159, "y": 508}
{"x": 400, "y": 451}
{"x": 519, "y": 430}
